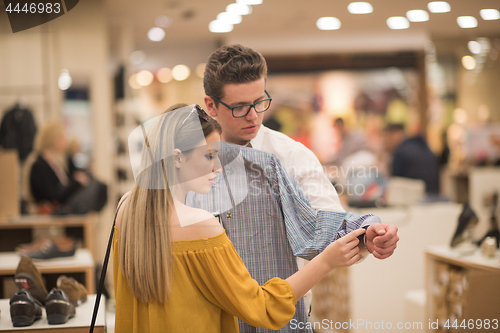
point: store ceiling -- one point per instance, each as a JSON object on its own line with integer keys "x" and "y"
{"x": 289, "y": 26}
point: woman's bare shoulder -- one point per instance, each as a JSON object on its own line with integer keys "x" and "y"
{"x": 194, "y": 223}
{"x": 120, "y": 211}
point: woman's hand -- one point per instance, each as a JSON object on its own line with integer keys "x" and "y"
{"x": 344, "y": 251}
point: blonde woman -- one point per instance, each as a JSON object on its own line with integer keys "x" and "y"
{"x": 175, "y": 270}
{"x": 46, "y": 177}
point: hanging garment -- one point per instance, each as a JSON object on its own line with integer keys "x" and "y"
{"x": 18, "y": 130}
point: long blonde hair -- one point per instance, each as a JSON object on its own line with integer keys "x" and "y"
{"x": 145, "y": 252}
{"x": 45, "y": 139}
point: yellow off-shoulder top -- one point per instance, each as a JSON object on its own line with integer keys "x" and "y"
{"x": 211, "y": 287}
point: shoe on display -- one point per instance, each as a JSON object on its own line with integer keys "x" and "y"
{"x": 58, "y": 307}
{"x": 24, "y": 309}
{"x": 76, "y": 292}
{"x": 28, "y": 277}
{"x": 59, "y": 248}
{"x": 466, "y": 222}
{"x": 22, "y": 249}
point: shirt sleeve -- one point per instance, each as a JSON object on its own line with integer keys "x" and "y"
{"x": 222, "y": 277}
{"x": 310, "y": 232}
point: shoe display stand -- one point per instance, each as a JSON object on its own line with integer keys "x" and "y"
{"x": 80, "y": 266}
{"x": 78, "y": 324}
{"x": 462, "y": 288}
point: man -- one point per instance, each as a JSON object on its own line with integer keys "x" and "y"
{"x": 412, "y": 158}
{"x": 352, "y": 142}
{"x": 234, "y": 82}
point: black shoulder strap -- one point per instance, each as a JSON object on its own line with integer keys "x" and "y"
{"x": 103, "y": 272}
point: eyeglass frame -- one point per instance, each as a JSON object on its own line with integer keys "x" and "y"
{"x": 250, "y": 105}
{"x": 202, "y": 114}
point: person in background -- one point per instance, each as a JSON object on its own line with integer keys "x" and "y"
{"x": 235, "y": 82}
{"x": 412, "y": 158}
{"x": 175, "y": 269}
{"x": 352, "y": 142}
{"x": 47, "y": 181}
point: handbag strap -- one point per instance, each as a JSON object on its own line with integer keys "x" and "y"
{"x": 103, "y": 271}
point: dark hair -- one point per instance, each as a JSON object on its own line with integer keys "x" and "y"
{"x": 392, "y": 127}
{"x": 232, "y": 64}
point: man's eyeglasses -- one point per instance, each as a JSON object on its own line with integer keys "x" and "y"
{"x": 201, "y": 114}
{"x": 241, "y": 111}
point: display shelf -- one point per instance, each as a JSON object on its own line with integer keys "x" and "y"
{"x": 86, "y": 222}
{"x": 81, "y": 262}
{"x": 461, "y": 289}
{"x": 78, "y": 324}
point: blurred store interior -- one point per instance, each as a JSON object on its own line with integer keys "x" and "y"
{"x": 350, "y": 83}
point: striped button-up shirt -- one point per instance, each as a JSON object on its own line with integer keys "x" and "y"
{"x": 269, "y": 220}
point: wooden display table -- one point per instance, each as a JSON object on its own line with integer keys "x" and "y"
{"x": 462, "y": 290}
{"x": 78, "y": 324}
{"x": 86, "y": 222}
{"x": 81, "y": 262}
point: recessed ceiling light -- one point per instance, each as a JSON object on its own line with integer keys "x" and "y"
{"x": 239, "y": 9}
{"x": 417, "y": 15}
{"x": 181, "y": 72}
{"x": 468, "y": 62}
{"x": 132, "y": 81}
{"x": 328, "y": 23}
{"x": 229, "y": 18}
{"x": 137, "y": 57}
{"x": 249, "y": 2}
{"x": 360, "y": 8}
{"x": 218, "y": 26}
{"x": 489, "y": 14}
{"x": 474, "y": 47}
{"x": 156, "y": 34}
{"x": 439, "y": 7}
{"x": 398, "y": 22}
{"x": 64, "y": 81}
{"x": 467, "y": 22}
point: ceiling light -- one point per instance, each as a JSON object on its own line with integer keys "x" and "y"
{"x": 249, "y": 2}
{"x": 163, "y": 21}
{"x": 200, "y": 70}
{"x": 360, "y": 8}
{"x": 398, "y": 22}
{"x": 181, "y": 72}
{"x": 439, "y": 7}
{"x": 64, "y": 81}
{"x": 229, "y": 18}
{"x": 467, "y": 22}
{"x": 328, "y": 23}
{"x": 156, "y": 34}
{"x": 218, "y": 26}
{"x": 468, "y": 62}
{"x": 132, "y": 81}
{"x": 489, "y": 14}
{"x": 417, "y": 15}
{"x": 474, "y": 47}
{"x": 164, "y": 75}
{"x": 137, "y": 57}
{"x": 239, "y": 9}
{"x": 144, "y": 78}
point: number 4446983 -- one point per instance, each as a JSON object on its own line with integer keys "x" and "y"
{"x": 473, "y": 324}
{"x": 33, "y": 8}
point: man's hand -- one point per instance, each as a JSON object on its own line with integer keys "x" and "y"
{"x": 381, "y": 240}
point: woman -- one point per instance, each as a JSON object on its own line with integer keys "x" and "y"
{"x": 47, "y": 179}
{"x": 175, "y": 270}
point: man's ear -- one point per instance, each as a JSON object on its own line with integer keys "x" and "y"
{"x": 210, "y": 104}
{"x": 177, "y": 158}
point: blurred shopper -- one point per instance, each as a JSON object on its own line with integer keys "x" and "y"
{"x": 412, "y": 158}
{"x": 234, "y": 82}
{"x": 48, "y": 183}
{"x": 351, "y": 141}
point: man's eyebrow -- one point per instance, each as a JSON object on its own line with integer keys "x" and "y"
{"x": 242, "y": 103}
